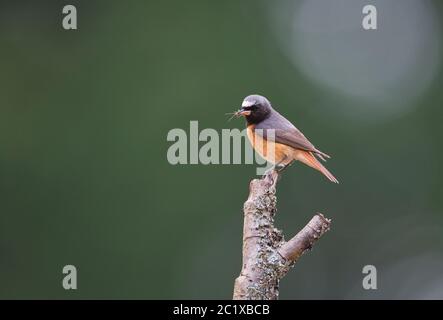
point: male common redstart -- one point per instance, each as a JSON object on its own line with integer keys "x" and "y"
{"x": 289, "y": 144}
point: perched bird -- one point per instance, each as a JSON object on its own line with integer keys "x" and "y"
{"x": 289, "y": 144}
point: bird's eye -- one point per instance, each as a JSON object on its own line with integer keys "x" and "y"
{"x": 250, "y": 107}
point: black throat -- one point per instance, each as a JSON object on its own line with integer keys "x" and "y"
{"x": 256, "y": 117}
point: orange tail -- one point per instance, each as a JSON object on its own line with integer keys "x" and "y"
{"x": 309, "y": 159}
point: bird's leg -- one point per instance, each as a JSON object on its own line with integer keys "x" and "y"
{"x": 280, "y": 166}
{"x": 272, "y": 175}
{"x": 268, "y": 172}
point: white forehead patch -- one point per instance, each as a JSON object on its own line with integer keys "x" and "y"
{"x": 247, "y": 103}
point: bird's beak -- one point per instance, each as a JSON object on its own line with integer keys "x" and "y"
{"x": 243, "y": 112}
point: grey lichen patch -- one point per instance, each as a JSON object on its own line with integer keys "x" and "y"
{"x": 280, "y": 265}
{"x": 276, "y": 237}
{"x": 264, "y": 202}
{"x": 249, "y": 206}
{"x": 270, "y": 264}
{"x": 260, "y": 292}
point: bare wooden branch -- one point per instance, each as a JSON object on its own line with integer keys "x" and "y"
{"x": 267, "y": 257}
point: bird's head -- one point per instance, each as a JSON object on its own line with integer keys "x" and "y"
{"x": 255, "y": 108}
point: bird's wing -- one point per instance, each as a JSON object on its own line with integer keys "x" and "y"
{"x": 288, "y": 135}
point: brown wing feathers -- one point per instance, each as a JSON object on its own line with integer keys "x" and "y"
{"x": 294, "y": 138}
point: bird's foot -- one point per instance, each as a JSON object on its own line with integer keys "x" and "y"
{"x": 273, "y": 174}
{"x": 279, "y": 167}
{"x": 268, "y": 172}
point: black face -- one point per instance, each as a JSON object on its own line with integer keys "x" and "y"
{"x": 255, "y": 109}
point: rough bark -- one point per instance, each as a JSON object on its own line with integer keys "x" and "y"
{"x": 267, "y": 257}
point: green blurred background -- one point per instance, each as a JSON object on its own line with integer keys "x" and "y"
{"x": 84, "y": 115}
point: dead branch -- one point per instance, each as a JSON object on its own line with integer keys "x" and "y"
{"x": 267, "y": 257}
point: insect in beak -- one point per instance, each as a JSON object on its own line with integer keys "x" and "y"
{"x": 243, "y": 112}
{"x": 238, "y": 113}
